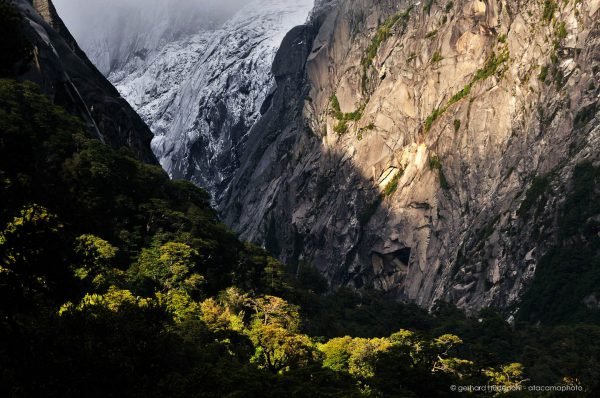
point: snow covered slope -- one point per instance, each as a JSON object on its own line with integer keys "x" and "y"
{"x": 197, "y": 77}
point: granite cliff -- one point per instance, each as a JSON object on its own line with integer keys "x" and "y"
{"x": 436, "y": 150}
{"x": 428, "y": 149}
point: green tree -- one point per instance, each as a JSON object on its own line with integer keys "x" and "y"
{"x": 170, "y": 266}
{"x": 363, "y": 356}
{"x": 271, "y": 310}
{"x": 114, "y": 300}
{"x": 336, "y": 353}
{"x": 179, "y": 304}
{"x": 511, "y": 375}
{"x": 219, "y": 318}
{"x": 277, "y": 349}
{"x": 32, "y": 260}
{"x": 179, "y": 259}
{"x": 94, "y": 260}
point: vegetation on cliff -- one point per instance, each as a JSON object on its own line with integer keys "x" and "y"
{"x": 115, "y": 280}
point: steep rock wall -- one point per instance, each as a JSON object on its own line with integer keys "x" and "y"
{"x": 419, "y": 177}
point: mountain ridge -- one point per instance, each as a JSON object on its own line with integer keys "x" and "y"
{"x": 65, "y": 73}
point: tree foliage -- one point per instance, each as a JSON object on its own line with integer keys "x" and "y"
{"x": 115, "y": 281}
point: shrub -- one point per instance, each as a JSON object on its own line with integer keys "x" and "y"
{"x": 550, "y": 7}
{"x": 436, "y": 57}
{"x": 427, "y": 6}
{"x": 489, "y": 69}
{"x": 432, "y": 118}
{"x": 543, "y": 73}
{"x": 561, "y": 31}
{"x": 460, "y": 95}
{"x": 341, "y": 127}
{"x": 392, "y": 186}
{"x": 431, "y": 34}
{"x": 456, "y": 125}
{"x": 491, "y": 66}
{"x": 435, "y": 163}
{"x": 335, "y": 103}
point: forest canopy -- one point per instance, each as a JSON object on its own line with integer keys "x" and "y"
{"x": 117, "y": 281}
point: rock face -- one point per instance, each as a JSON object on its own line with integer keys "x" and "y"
{"x": 405, "y": 143}
{"x": 66, "y": 75}
{"x": 425, "y": 149}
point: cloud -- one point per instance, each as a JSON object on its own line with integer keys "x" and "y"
{"x": 109, "y": 31}
{"x": 97, "y": 18}
{"x": 112, "y": 31}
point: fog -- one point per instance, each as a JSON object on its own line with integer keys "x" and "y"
{"x": 82, "y": 15}
{"x": 77, "y": 13}
{"x": 109, "y": 30}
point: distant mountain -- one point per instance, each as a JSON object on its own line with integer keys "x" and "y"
{"x": 198, "y": 78}
{"x": 113, "y": 32}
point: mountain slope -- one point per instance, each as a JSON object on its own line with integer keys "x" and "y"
{"x": 201, "y": 123}
{"x": 114, "y": 32}
{"x": 116, "y": 281}
{"x": 199, "y": 80}
{"x": 430, "y": 149}
{"x": 64, "y": 72}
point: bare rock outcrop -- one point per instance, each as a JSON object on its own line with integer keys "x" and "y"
{"x": 410, "y": 160}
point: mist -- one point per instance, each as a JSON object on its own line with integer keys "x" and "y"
{"x": 79, "y": 13}
{"x": 109, "y": 30}
{"x": 82, "y": 16}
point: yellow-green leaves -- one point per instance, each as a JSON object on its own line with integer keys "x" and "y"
{"x": 95, "y": 256}
{"x": 171, "y": 266}
{"x": 114, "y": 300}
{"x": 179, "y": 304}
{"x": 271, "y": 310}
{"x": 28, "y": 244}
{"x": 278, "y": 349}
{"x": 508, "y": 375}
{"x": 336, "y": 353}
{"x": 179, "y": 260}
{"x": 219, "y": 318}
